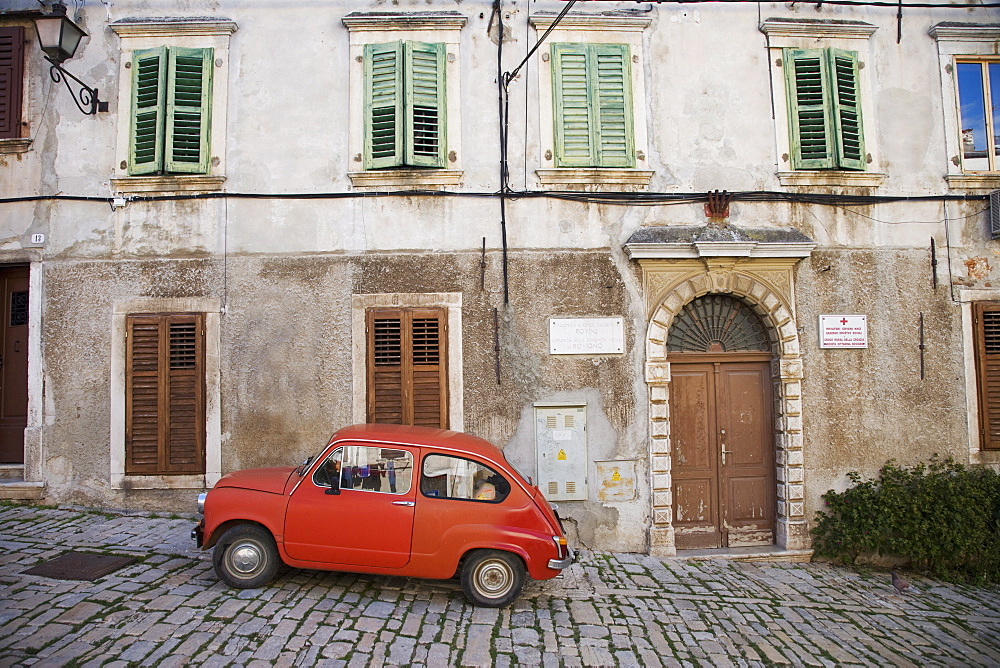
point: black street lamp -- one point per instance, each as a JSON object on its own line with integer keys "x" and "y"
{"x": 59, "y": 37}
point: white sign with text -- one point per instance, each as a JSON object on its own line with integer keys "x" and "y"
{"x": 586, "y": 336}
{"x": 843, "y": 331}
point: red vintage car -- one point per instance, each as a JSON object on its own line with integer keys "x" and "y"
{"x": 388, "y": 499}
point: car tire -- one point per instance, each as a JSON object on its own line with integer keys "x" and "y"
{"x": 246, "y": 557}
{"x": 492, "y": 579}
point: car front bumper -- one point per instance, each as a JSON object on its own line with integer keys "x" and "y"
{"x": 198, "y": 533}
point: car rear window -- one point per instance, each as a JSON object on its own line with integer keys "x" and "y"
{"x": 447, "y": 477}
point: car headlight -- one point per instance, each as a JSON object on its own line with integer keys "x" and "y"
{"x": 201, "y": 502}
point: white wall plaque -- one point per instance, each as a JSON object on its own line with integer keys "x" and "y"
{"x": 586, "y": 336}
{"x": 843, "y": 331}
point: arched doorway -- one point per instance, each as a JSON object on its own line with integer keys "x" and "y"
{"x": 721, "y": 425}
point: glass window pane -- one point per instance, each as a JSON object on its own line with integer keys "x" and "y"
{"x": 972, "y": 106}
{"x": 385, "y": 470}
{"x": 456, "y": 478}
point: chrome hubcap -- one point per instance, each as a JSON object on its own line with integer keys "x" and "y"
{"x": 494, "y": 578}
{"x": 245, "y": 558}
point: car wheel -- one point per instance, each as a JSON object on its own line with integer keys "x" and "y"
{"x": 246, "y": 557}
{"x": 492, "y": 579}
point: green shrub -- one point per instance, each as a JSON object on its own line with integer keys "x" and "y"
{"x": 940, "y": 517}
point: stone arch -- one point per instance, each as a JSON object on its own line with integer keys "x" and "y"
{"x": 772, "y": 300}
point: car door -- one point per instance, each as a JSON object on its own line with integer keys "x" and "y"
{"x": 355, "y": 509}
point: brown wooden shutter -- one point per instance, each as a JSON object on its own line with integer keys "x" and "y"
{"x": 407, "y": 371}
{"x": 11, "y": 80}
{"x": 987, "y": 333}
{"x": 165, "y": 395}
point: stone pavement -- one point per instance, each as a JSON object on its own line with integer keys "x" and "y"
{"x": 168, "y": 608}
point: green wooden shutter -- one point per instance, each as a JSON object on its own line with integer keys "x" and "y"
{"x": 383, "y": 105}
{"x": 149, "y": 76}
{"x": 614, "y": 105}
{"x": 189, "y": 104}
{"x": 426, "y": 141}
{"x": 847, "y": 109}
{"x": 812, "y": 128}
{"x": 573, "y": 128}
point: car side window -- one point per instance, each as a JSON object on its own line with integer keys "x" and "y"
{"x": 449, "y": 477}
{"x": 366, "y": 468}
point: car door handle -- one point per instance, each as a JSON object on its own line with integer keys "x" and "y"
{"x": 403, "y": 503}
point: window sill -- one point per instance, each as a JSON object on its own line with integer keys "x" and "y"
{"x": 407, "y": 178}
{"x": 8, "y": 146}
{"x": 594, "y": 176}
{"x": 167, "y": 184}
{"x": 136, "y": 482}
{"x": 974, "y": 181}
{"x": 831, "y": 178}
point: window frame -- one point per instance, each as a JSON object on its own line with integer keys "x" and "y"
{"x": 810, "y": 34}
{"x": 992, "y": 130}
{"x": 177, "y": 34}
{"x": 451, "y": 304}
{"x": 591, "y": 29}
{"x": 210, "y": 308}
{"x": 442, "y": 28}
{"x": 958, "y": 42}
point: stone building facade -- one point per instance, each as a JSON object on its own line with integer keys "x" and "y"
{"x": 622, "y": 256}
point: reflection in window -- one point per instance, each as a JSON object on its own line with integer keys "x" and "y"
{"x": 367, "y": 468}
{"x": 979, "y": 103}
{"x": 455, "y": 478}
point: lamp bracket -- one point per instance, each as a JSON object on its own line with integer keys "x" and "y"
{"x": 86, "y": 98}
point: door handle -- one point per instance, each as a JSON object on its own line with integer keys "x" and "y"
{"x": 724, "y": 453}
{"x": 403, "y": 503}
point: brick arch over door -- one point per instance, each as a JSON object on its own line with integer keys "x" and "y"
{"x": 771, "y": 300}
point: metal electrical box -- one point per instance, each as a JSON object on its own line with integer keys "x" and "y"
{"x": 561, "y": 446}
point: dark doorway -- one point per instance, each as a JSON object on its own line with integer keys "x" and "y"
{"x": 14, "y": 364}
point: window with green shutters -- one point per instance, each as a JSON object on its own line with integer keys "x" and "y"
{"x": 404, "y": 105}
{"x": 171, "y": 111}
{"x": 593, "y": 105}
{"x": 824, "y": 109}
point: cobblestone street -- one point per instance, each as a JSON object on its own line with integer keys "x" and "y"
{"x": 167, "y": 608}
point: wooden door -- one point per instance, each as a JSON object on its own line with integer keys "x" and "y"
{"x": 723, "y": 454}
{"x": 14, "y": 364}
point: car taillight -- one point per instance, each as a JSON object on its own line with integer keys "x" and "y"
{"x": 561, "y": 545}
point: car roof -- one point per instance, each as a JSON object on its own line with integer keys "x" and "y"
{"x": 421, "y": 436}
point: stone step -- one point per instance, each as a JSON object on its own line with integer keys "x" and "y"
{"x": 11, "y": 472}
{"x": 770, "y": 553}
{"x": 13, "y": 486}
{"x": 19, "y": 490}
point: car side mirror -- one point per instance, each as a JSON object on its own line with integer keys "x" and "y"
{"x": 333, "y": 491}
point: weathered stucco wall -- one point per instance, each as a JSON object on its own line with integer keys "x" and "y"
{"x": 284, "y": 271}
{"x": 864, "y": 407}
